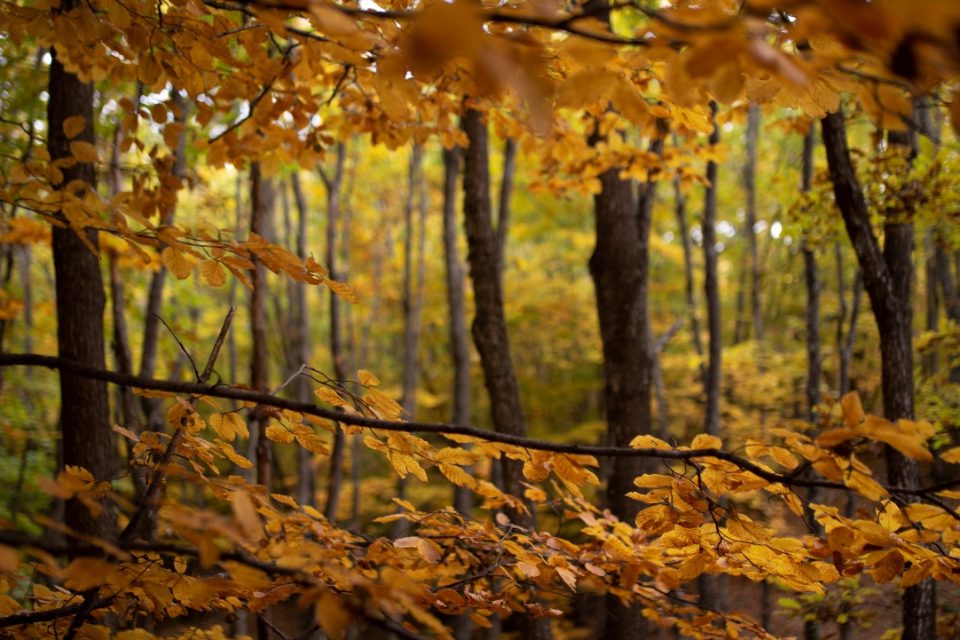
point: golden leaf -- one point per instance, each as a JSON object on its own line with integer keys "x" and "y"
{"x": 73, "y": 126}
{"x": 457, "y": 476}
{"x": 212, "y": 271}
{"x": 279, "y": 434}
{"x": 706, "y": 441}
{"x": 246, "y": 514}
{"x": 83, "y": 151}
{"x": 332, "y": 616}
{"x": 852, "y": 409}
{"x": 367, "y": 379}
{"x": 177, "y": 262}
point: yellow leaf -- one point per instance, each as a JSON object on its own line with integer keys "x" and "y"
{"x": 330, "y": 396}
{"x": 457, "y": 476}
{"x": 951, "y": 455}
{"x": 367, "y": 379}
{"x": 229, "y": 425}
{"x": 9, "y": 562}
{"x": 649, "y": 442}
{"x": 73, "y": 126}
{"x": 246, "y": 514}
{"x": 706, "y": 441}
{"x": 83, "y": 151}
{"x": 568, "y": 577}
{"x": 888, "y": 567}
{"x": 332, "y": 616}
{"x": 279, "y": 434}
{"x": 177, "y": 262}
{"x": 852, "y": 409}
{"x": 213, "y": 273}
{"x": 233, "y": 456}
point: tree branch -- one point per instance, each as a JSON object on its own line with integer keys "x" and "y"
{"x": 441, "y": 428}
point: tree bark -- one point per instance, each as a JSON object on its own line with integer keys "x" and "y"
{"x": 619, "y": 267}
{"x": 750, "y": 187}
{"x": 333, "y": 184}
{"x": 413, "y": 242}
{"x": 456, "y": 304}
{"x": 306, "y": 482}
{"x": 86, "y": 438}
{"x": 711, "y": 424}
{"x": 152, "y": 407}
{"x": 689, "y": 287}
{"x": 261, "y": 208}
{"x": 811, "y": 628}
{"x": 489, "y": 324}
{"x": 506, "y": 191}
{"x": 887, "y": 274}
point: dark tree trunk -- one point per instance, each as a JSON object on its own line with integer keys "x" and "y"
{"x": 489, "y": 324}
{"x": 619, "y": 268}
{"x": 887, "y": 276}
{"x": 711, "y": 423}
{"x": 86, "y": 438}
{"x": 333, "y": 184}
{"x": 261, "y": 208}
{"x": 506, "y": 191}
{"x": 232, "y": 357}
{"x": 457, "y": 323}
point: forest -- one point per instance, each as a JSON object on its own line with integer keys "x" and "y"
{"x": 476, "y": 319}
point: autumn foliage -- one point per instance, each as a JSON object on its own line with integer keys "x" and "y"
{"x": 216, "y": 511}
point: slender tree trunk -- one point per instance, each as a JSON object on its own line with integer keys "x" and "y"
{"x": 506, "y": 191}
{"x": 689, "y": 286}
{"x": 709, "y": 585}
{"x": 152, "y": 407}
{"x": 711, "y": 422}
{"x": 750, "y": 187}
{"x": 333, "y": 184}
{"x": 232, "y": 356}
{"x": 811, "y": 628}
{"x": 411, "y": 302}
{"x": 86, "y": 438}
{"x": 887, "y": 276}
{"x": 459, "y": 338}
{"x": 301, "y": 317}
{"x": 489, "y": 324}
{"x": 261, "y": 208}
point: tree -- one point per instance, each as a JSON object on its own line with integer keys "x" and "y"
{"x": 250, "y": 93}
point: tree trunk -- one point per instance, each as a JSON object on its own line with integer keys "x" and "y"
{"x": 619, "y": 267}
{"x": 750, "y": 187}
{"x": 459, "y": 340}
{"x": 489, "y": 325}
{"x": 261, "y": 208}
{"x": 411, "y": 302}
{"x": 332, "y": 184}
{"x": 86, "y": 438}
{"x": 711, "y": 422}
{"x": 152, "y": 407}
{"x": 689, "y": 287}
{"x": 301, "y": 318}
{"x": 811, "y": 628}
{"x": 886, "y": 276}
{"x": 506, "y": 190}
